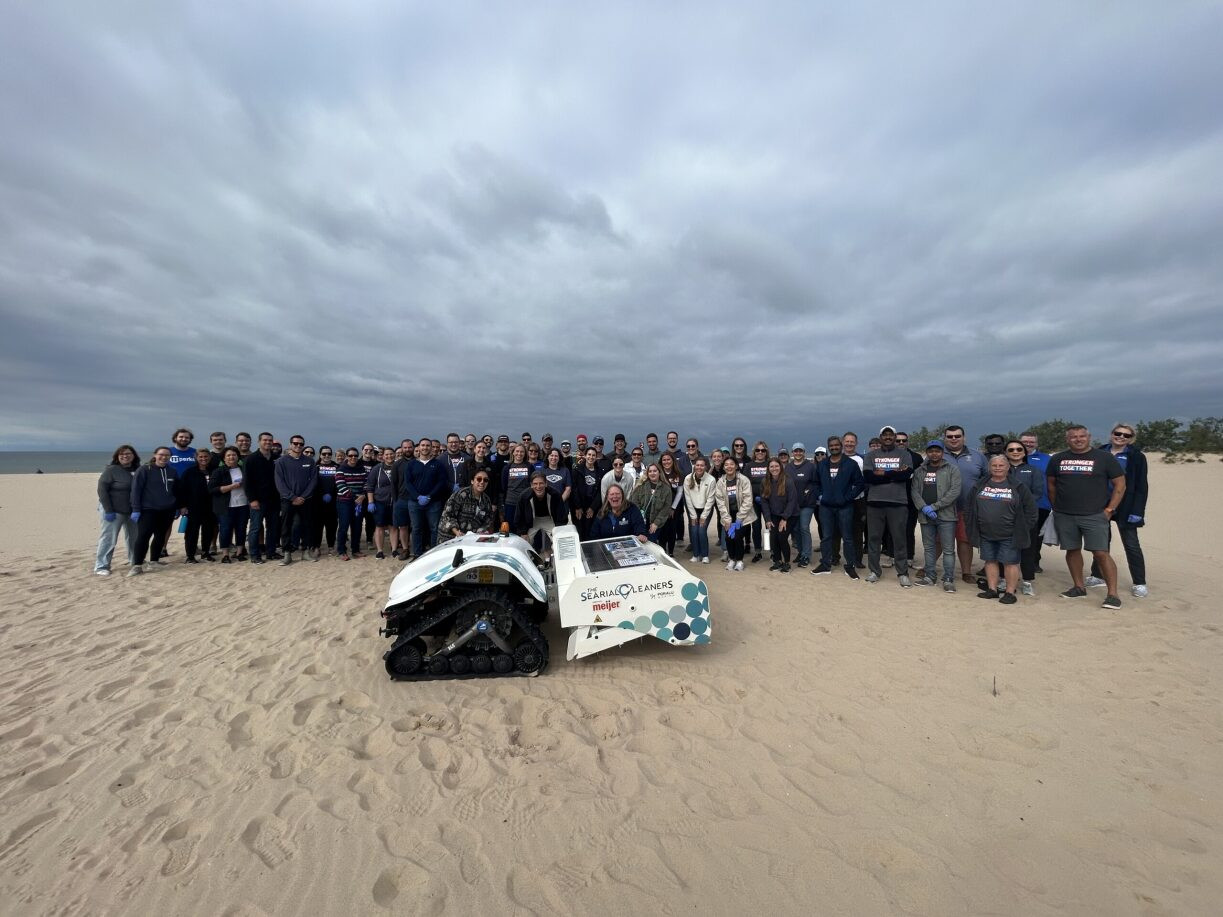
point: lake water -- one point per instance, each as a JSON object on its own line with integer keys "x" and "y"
{"x": 53, "y": 462}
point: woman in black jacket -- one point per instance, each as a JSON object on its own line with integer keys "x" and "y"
{"x": 1132, "y": 510}
{"x": 230, "y": 504}
{"x": 196, "y": 499}
{"x": 779, "y": 501}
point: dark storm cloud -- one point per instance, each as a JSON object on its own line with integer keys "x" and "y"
{"x": 384, "y": 221}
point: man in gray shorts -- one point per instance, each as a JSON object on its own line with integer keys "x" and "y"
{"x": 1085, "y": 487}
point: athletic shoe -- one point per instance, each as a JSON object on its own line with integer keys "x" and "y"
{"x": 160, "y": 563}
{"x": 982, "y": 582}
{"x": 1040, "y": 569}
{"x": 1139, "y": 592}
{"x": 256, "y": 560}
{"x": 704, "y": 560}
{"x": 242, "y": 555}
{"x": 784, "y": 568}
{"x": 738, "y": 566}
{"x": 191, "y": 560}
{"x": 824, "y": 569}
{"x": 923, "y": 580}
{"x": 165, "y": 552}
{"x": 885, "y": 561}
{"x": 211, "y": 558}
{"x": 694, "y": 559}
{"x": 380, "y": 556}
{"x": 1111, "y": 601}
{"x": 725, "y": 556}
{"x": 315, "y": 555}
{"x": 730, "y": 565}
{"x": 135, "y": 571}
{"x": 1007, "y": 598}
{"x": 107, "y": 573}
{"x": 849, "y": 571}
{"x": 276, "y": 555}
{"x": 988, "y": 594}
{"x": 756, "y": 558}
{"x": 776, "y": 565}
{"x": 286, "y": 559}
{"x": 871, "y": 577}
{"x": 803, "y": 562}
{"x": 1074, "y": 592}
{"x": 1027, "y": 588}
{"x": 226, "y": 559}
{"x": 1094, "y": 582}
{"x": 949, "y": 585}
{"x": 904, "y": 581}
{"x": 395, "y": 554}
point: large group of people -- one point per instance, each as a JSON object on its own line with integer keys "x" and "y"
{"x": 253, "y": 501}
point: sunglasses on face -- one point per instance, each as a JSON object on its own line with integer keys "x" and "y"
{"x": 1123, "y": 434}
{"x": 1016, "y": 449}
{"x": 760, "y": 450}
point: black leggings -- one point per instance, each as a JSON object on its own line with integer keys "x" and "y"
{"x": 735, "y": 544}
{"x": 202, "y": 521}
{"x": 154, "y": 524}
{"x": 779, "y": 544}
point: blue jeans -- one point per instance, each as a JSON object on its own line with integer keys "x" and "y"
{"x": 267, "y": 515}
{"x": 233, "y": 526}
{"x": 944, "y": 533}
{"x": 801, "y": 533}
{"x": 348, "y": 526}
{"x": 425, "y": 521}
{"x": 109, "y": 537}
{"x": 698, "y": 535}
{"x": 838, "y": 522}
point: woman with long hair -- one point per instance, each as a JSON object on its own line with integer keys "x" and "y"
{"x": 155, "y": 501}
{"x": 115, "y": 507}
{"x": 698, "y": 507}
{"x": 779, "y": 501}
{"x": 652, "y": 496}
{"x": 558, "y": 475}
{"x": 733, "y": 494}
{"x": 756, "y": 469}
{"x": 618, "y": 517}
{"x": 515, "y": 481}
{"x": 672, "y": 474}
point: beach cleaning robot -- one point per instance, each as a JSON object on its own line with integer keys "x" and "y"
{"x": 473, "y": 606}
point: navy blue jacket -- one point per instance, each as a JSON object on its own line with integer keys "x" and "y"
{"x": 609, "y": 526}
{"x": 840, "y": 491}
{"x": 424, "y": 479}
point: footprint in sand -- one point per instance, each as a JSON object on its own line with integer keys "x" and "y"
{"x": 466, "y": 846}
{"x": 182, "y": 840}
{"x": 268, "y": 838}
{"x": 128, "y": 790}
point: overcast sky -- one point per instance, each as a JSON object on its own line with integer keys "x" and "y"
{"x": 370, "y": 220}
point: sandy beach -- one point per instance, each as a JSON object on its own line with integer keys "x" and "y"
{"x": 224, "y": 740}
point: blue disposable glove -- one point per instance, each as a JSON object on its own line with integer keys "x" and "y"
{"x": 109, "y": 517}
{"x": 930, "y": 512}
{"x": 326, "y": 498}
{"x": 135, "y": 517}
{"x": 1134, "y": 520}
{"x": 734, "y": 527}
{"x": 373, "y": 507}
{"x": 423, "y": 500}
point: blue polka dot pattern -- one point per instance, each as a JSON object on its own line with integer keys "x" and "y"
{"x": 682, "y": 631}
{"x": 689, "y": 591}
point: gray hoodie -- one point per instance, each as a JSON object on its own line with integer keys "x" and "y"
{"x": 115, "y": 489}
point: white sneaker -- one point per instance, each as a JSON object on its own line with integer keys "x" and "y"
{"x": 704, "y": 560}
{"x": 107, "y": 573}
{"x": 1094, "y": 581}
{"x": 730, "y": 565}
{"x": 135, "y": 571}
{"x": 1139, "y": 592}
{"x": 694, "y": 560}
{"x": 1027, "y": 588}
{"x": 871, "y": 578}
{"x": 738, "y": 566}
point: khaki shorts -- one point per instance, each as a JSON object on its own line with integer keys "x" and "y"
{"x": 1082, "y": 532}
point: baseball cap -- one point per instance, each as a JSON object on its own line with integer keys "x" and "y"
{"x": 820, "y": 450}
{"x": 565, "y": 442}
{"x": 503, "y": 438}
{"x": 619, "y": 438}
{"x": 598, "y": 440}
{"x": 797, "y": 446}
{"x": 887, "y": 427}
{"x": 935, "y": 444}
{"x": 546, "y": 436}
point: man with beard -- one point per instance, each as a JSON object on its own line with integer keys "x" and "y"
{"x": 972, "y": 469}
{"x": 836, "y": 486}
{"x": 887, "y": 471}
{"x": 259, "y": 482}
{"x": 296, "y": 477}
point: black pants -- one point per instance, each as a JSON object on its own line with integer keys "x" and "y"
{"x": 295, "y": 525}
{"x": 1133, "y": 552}
{"x": 200, "y": 522}
{"x": 1030, "y": 556}
{"x": 779, "y": 545}
{"x": 153, "y": 524}
{"x": 757, "y": 535}
{"x": 890, "y": 517}
{"x": 860, "y": 527}
{"x": 736, "y": 545}
{"x": 324, "y": 520}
